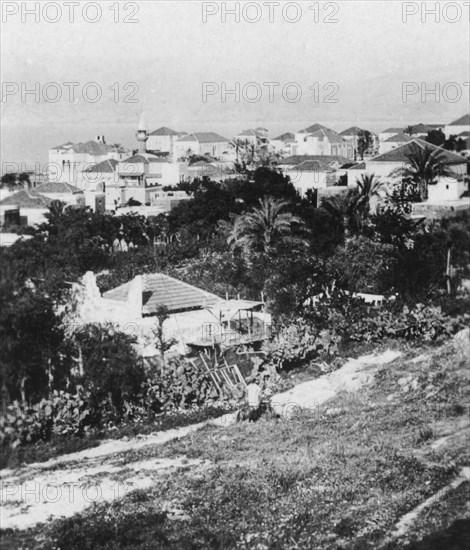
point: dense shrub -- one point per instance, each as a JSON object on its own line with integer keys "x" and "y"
{"x": 352, "y": 319}
{"x": 62, "y": 414}
{"x": 112, "y": 367}
{"x": 421, "y": 322}
{"x": 179, "y": 386}
{"x": 298, "y": 342}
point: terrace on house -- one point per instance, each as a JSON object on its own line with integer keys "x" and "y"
{"x": 197, "y": 319}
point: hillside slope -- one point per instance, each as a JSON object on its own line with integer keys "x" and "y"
{"x": 382, "y": 465}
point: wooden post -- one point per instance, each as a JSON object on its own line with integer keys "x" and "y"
{"x": 448, "y": 270}
{"x": 210, "y": 374}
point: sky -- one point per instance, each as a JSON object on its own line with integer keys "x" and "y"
{"x": 338, "y": 63}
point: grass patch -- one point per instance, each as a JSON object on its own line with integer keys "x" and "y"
{"x": 41, "y": 451}
{"x": 318, "y": 481}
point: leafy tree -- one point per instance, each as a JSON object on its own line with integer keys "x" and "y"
{"x": 364, "y": 265}
{"x": 391, "y": 226}
{"x": 111, "y": 365}
{"x": 369, "y": 188}
{"x": 454, "y": 143}
{"x": 343, "y": 207}
{"x": 13, "y": 180}
{"x": 403, "y": 193}
{"x": 30, "y": 345}
{"x": 290, "y": 275}
{"x": 240, "y": 146}
{"x": 364, "y": 142}
{"x": 424, "y": 166}
{"x": 436, "y": 137}
{"x": 410, "y": 130}
{"x": 163, "y": 345}
{"x": 260, "y": 229}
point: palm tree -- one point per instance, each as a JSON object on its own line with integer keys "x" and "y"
{"x": 264, "y": 226}
{"x": 425, "y": 165}
{"x": 239, "y": 145}
{"x": 410, "y": 130}
{"x": 344, "y": 207}
{"x": 369, "y": 187}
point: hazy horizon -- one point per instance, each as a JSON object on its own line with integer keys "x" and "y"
{"x": 170, "y": 52}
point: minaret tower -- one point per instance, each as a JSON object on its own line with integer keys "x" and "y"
{"x": 142, "y": 136}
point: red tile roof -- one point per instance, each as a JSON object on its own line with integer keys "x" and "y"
{"x": 204, "y": 137}
{"x": 330, "y": 135}
{"x": 313, "y": 166}
{"x": 164, "y": 131}
{"x": 353, "y": 131}
{"x": 360, "y": 166}
{"x": 107, "y": 166}
{"x": 399, "y": 138}
{"x": 400, "y": 153}
{"x": 91, "y": 148}
{"x": 57, "y": 187}
{"x": 159, "y": 289}
{"x": 314, "y": 128}
{"x": 392, "y": 131}
{"x": 287, "y": 136}
{"x": 144, "y": 159}
{"x": 462, "y": 121}
{"x": 26, "y": 199}
{"x": 329, "y": 159}
{"x": 421, "y": 128}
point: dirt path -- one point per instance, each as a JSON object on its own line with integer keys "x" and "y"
{"x": 64, "y": 486}
{"x": 351, "y": 377}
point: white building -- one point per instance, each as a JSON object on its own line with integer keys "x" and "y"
{"x": 389, "y": 132}
{"x": 101, "y": 180}
{"x": 24, "y": 208}
{"x": 447, "y": 189}
{"x": 142, "y": 176}
{"x": 310, "y": 174}
{"x": 197, "y": 318}
{"x": 257, "y": 137}
{"x": 202, "y": 143}
{"x": 283, "y": 144}
{"x": 163, "y": 140}
{"x": 353, "y": 134}
{"x": 60, "y": 191}
{"x": 355, "y": 172}
{"x": 323, "y": 142}
{"x": 393, "y": 142}
{"x": 69, "y": 162}
{"x": 386, "y": 164}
